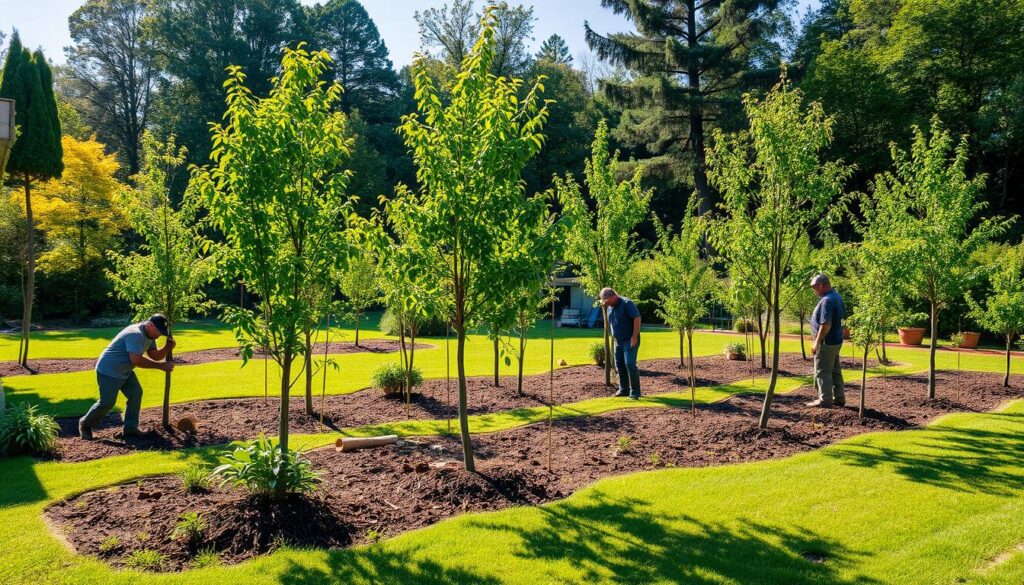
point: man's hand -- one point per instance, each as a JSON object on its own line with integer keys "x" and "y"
{"x": 633, "y": 341}
{"x": 166, "y": 366}
{"x": 171, "y": 344}
{"x": 814, "y": 348}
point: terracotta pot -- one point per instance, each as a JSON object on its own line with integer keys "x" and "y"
{"x": 734, "y": 356}
{"x": 911, "y": 335}
{"x": 846, "y": 332}
{"x": 971, "y": 340}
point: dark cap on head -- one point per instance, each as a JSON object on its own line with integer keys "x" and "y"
{"x": 160, "y": 322}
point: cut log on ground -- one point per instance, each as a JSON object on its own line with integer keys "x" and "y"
{"x": 353, "y": 443}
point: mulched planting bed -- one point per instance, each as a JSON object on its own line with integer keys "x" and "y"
{"x": 223, "y": 421}
{"x": 203, "y": 356}
{"x": 388, "y": 490}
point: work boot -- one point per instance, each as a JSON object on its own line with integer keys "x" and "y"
{"x": 818, "y": 404}
{"x": 634, "y": 397}
{"x": 621, "y": 394}
{"x": 84, "y": 432}
{"x": 839, "y": 403}
{"x": 131, "y": 432}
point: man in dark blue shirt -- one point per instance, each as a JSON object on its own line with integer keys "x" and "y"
{"x": 827, "y": 331}
{"x": 624, "y": 319}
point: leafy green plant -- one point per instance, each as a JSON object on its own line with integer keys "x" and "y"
{"x": 145, "y": 559}
{"x": 744, "y": 326}
{"x": 391, "y": 378}
{"x": 429, "y": 326}
{"x": 372, "y": 535}
{"x": 190, "y": 527}
{"x": 654, "y": 459}
{"x": 623, "y": 444}
{"x": 735, "y": 351}
{"x": 1003, "y": 311}
{"x": 207, "y": 557}
{"x": 265, "y": 468}
{"x": 597, "y": 353}
{"x": 23, "y": 431}
{"x": 195, "y": 478}
{"x": 110, "y": 543}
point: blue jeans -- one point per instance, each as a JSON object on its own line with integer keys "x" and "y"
{"x": 625, "y": 365}
{"x": 109, "y": 387}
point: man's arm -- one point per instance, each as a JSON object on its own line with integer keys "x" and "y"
{"x": 158, "y": 355}
{"x": 635, "y": 339}
{"x": 823, "y": 330}
{"x": 139, "y": 361}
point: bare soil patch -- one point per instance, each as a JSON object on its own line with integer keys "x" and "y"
{"x": 203, "y": 356}
{"x": 223, "y": 421}
{"x": 389, "y": 490}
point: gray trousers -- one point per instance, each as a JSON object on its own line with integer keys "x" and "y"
{"x": 828, "y": 374}
{"x": 625, "y": 366}
{"x": 109, "y": 387}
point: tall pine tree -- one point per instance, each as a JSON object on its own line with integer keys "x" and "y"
{"x": 691, "y": 60}
{"x": 36, "y": 156}
{"x": 555, "y": 50}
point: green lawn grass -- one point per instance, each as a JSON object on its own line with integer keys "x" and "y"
{"x": 932, "y": 506}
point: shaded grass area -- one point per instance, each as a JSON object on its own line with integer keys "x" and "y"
{"x": 937, "y": 505}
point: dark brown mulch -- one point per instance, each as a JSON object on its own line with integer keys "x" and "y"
{"x": 223, "y": 421}
{"x": 389, "y": 490}
{"x": 188, "y": 358}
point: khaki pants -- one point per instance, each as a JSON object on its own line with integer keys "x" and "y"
{"x": 828, "y": 374}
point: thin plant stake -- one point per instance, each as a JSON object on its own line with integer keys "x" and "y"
{"x": 551, "y": 382}
{"x": 323, "y": 389}
{"x": 448, "y": 373}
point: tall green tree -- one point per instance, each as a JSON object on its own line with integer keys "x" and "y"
{"x": 168, "y": 272}
{"x": 469, "y": 154}
{"x": 451, "y": 31}
{"x": 113, "y": 67}
{"x": 360, "y": 284}
{"x": 554, "y": 50}
{"x": 690, "y": 282}
{"x": 776, "y": 189}
{"x": 37, "y": 155}
{"x": 276, "y": 190}
{"x": 1002, "y": 311}
{"x": 601, "y": 242}
{"x": 934, "y": 207}
{"x": 691, "y": 59}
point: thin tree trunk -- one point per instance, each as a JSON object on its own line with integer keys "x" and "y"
{"x": 682, "y": 354}
{"x": 522, "y": 356}
{"x": 803, "y": 352}
{"x": 448, "y": 373}
{"x": 308, "y": 361}
{"x": 165, "y": 417}
{"x": 323, "y": 387}
{"x": 607, "y": 349}
{"x": 932, "y": 344}
{"x": 700, "y": 178}
{"x": 28, "y": 293}
{"x": 460, "y": 361}
{"x": 1006, "y": 378}
{"x": 863, "y": 379}
{"x": 774, "y": 376}
{"x": 497, "y": 380}
{"x": 693, "y": 377}
{"x": 762, "y": 335}
{"x": 282, "y": 431}
{"x": 358, "y": 314}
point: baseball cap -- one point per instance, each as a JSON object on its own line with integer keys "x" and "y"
{"x": 160, "y": 322}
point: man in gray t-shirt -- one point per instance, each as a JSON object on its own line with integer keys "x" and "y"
{"x": 134, "y": 346}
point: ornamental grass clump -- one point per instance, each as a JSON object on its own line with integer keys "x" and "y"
{"x": 23, "y": 431}
{"x": 391, "y": 378}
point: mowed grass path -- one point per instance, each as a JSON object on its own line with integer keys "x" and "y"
{"x": 939, "y": 505}
{"x": 72, "y": 393}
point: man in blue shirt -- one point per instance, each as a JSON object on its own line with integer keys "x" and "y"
{"x": 624, "y": 319}
{"x": 134, "y": 346}
{"x": 827, "y": 332}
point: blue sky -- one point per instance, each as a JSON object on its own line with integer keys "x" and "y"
{"x": 43, "y": 23}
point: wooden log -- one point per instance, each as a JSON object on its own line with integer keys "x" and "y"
{"x": 353, "y": 443}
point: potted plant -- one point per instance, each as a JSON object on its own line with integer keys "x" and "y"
{"x": 970, "y": 339}
{"x": 912, "y": 334}
{"x": 735, "y": 351}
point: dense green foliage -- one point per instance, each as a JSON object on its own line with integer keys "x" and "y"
{"x": 266, "y": 468}
{"x": 26, "y": 431}
{"x": 391, "y": 378}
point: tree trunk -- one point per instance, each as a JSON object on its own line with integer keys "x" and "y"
{"x": 932, "y": 344}
{"x": 607, "y": 349}
{"x": 885, "y": 358}
{"x": 803, "y": 351}
{"x": 460, "y": 361}
{"x": 165, "y": 417}
{"x": 700, "y": 177}
{"x": 497, "y": 380}
{"x": 308, "y": 366}
{"x": 682, "y": 354}
{"x": 358, "y": 314}
{"x": 774, "y": 376}
{"x": 522, "y": 356}
{"x": 693, "y": 377}
{"x": 28, "y": 292}
{"x": 282, "y": 431}
{"x": 1006, "y": 378}
{"x": 762, "y": 335}
{"x": 863, "y": 379}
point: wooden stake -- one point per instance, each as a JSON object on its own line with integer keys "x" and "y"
{"x": 323, "y": 389}
{"x": 448, "y": 373}
{"x": 551, "y": 383}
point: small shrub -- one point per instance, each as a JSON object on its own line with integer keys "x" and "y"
{"x": 206, "y": 558}
{"x": 744, "y": 326}
{"x": 391, "y": 378}
{"x": 597, "y": 353}
{"x": 23, "y": 431}
{"x": 623, "y": 444}
{"x": 146, "y": 559}
{"x": 195, "y": 478}
{"x": 260, "y": 466}
{"x": 110, "y": 544}
{"x": 735, "y": 351}
{"x": 190, "y": 527}
{"x": 654, "y": 459}
{"x": 372, "y": 535}
{"x": 426, "y": 327}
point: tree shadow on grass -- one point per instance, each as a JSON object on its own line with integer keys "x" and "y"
{"x": 965, "y": 460}
{"x": 375, "y": 565}
{"x": 19, "y": 483}
{"x": 57, "y": 408}
{"x": 622, "y": 540}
